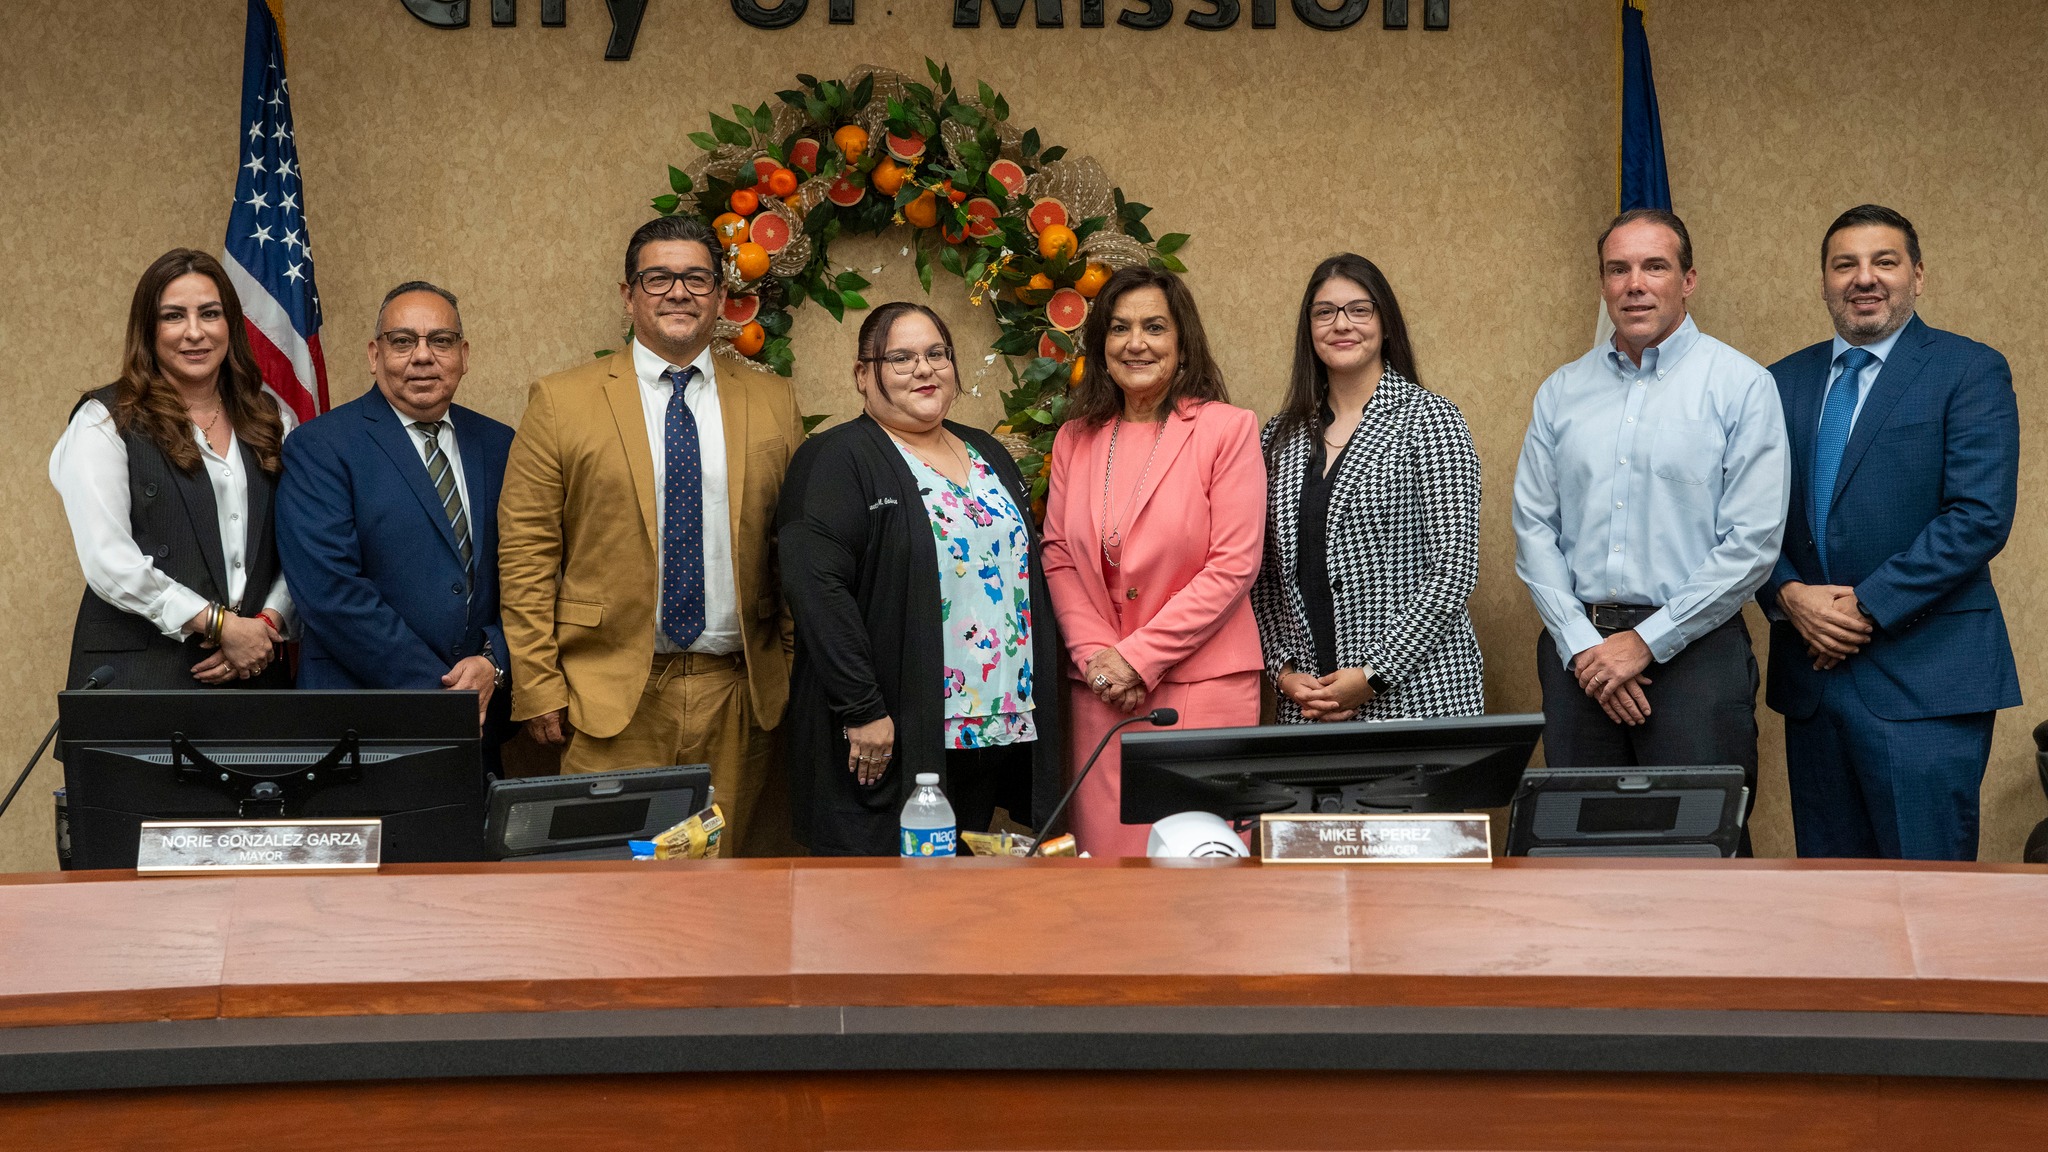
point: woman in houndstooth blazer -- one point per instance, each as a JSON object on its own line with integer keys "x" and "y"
{"x": 1369, "y": 557}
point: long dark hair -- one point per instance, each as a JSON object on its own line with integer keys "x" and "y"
{"x": 1309, "y": 382}
{"x": 145, "y": 399}
{"x": 1097, "y": 398}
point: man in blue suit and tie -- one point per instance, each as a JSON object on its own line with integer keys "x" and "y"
{"x": 387, "y": 521}
{"x": 1889, "y": 655}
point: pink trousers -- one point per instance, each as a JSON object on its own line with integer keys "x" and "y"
{"x": 1223, "y": 702}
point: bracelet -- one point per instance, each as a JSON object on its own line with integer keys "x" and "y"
{"x": 216, "y": 620}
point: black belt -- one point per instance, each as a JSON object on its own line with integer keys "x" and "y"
{"x": 1612, "y": 618}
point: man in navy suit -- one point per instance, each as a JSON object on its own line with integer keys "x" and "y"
{"x": 1889, "y": 655}
{"x": 387, "y": 521}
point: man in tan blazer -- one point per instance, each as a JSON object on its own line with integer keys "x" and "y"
{"x": 641, "y": 605}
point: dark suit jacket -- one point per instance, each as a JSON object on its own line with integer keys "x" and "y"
{"x": 382, "y": 596}
{"x": 1923, "y": 501}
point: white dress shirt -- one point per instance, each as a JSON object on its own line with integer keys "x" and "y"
{"x": 89, "y": 468}
{"x": 1663, "y": 485}
{"x": 721, "y": 635}
{"x": 1882, "y": 350}
{"x": 416, "y": 432}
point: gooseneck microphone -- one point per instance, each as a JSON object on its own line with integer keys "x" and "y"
{"x": 1162, "y": 717}
{"x": 100, "y": 678}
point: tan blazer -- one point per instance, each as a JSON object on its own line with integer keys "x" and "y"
{"x": 577, "y": 543}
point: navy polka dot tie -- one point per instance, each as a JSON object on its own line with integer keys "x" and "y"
{"x": 682, "y": 517}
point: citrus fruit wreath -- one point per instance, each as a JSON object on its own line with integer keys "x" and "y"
{"x": 1033, "y": 233}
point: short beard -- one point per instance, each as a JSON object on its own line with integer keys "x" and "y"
{"x": 1849, "y": 327}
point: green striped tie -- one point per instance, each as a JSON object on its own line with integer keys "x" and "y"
{"x": 443, "y": 477}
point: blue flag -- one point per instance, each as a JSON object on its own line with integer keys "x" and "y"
{"x": 1643, "y": 183}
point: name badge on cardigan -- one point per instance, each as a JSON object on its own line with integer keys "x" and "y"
{"x": 1409, "y": 838}
{"x": 185, "y": 847}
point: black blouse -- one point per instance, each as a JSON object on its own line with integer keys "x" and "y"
{"x": 1312, "y": 561}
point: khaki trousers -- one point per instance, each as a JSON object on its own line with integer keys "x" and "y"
{"x": 696, "y": 709}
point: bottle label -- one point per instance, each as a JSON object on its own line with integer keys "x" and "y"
{"x": 928, "y": 842}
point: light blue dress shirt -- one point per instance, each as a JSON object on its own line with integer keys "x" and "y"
{"x": 1785, "y": 572}
{"x": 1661, "y": 485}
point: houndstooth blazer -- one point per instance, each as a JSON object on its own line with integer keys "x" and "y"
{"x": 1403, "y": 549}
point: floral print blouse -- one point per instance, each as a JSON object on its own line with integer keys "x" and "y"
{"x": 984, "y": 550}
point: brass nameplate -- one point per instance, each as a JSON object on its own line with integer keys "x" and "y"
{"x": 1409, "y": 838}
{"x": 174, "y": 847}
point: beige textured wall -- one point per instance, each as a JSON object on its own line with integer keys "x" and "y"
{"x": 1475, "y": 166}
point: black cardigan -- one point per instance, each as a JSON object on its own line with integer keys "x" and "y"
{"x": 861, "y": 576}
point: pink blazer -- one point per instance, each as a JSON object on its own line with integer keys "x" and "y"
{"x": 1192, "y": 545}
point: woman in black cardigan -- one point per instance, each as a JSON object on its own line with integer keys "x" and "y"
{"x": 903, "y": 666}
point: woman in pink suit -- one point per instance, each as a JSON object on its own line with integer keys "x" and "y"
{"x": 1155, "y": 523}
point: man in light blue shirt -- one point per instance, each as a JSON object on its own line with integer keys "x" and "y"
{"x": 1649, "y": 504}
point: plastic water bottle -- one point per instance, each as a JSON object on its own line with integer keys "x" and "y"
{"x": 928, "y": 826}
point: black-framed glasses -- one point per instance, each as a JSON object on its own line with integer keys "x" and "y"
{"x": 660, "y": 281}
{"x": 903, "y": 362}
{"x": 1360, "y": 311}
{"x": 402, "y": 341}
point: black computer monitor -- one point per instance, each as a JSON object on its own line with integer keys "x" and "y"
{"x": 412, "y": 759}
{"x": 1437, "y": 765}
{"x": 592, "y": 815}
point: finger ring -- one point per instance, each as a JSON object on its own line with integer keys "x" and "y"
{"x": 1100, "y": 680}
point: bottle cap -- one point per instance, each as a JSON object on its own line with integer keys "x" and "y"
{"x": 931, "y": 778}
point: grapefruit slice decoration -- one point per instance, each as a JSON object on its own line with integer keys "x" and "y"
{"x": 844, "y": 193}
{"x": 804, "y": 154}
{"x": 1009, "y": 174}
{"x": 741, "y": 309}
{"x": 771, "y": 232}
{"x": 1066, "y": 310}
{"x": 981, "y": 217}
{"x": 1045, "y": 213}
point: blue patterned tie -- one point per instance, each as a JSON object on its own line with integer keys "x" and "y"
{"x": 682, "y": 517}
{"x": 1836, "y": 419}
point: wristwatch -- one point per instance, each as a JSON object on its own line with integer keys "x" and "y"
{"x": 499, "y": 677}
{"x": 1376, "y": 682}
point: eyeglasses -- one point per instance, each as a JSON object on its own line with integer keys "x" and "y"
{"x": 1360, "y": 311}
{"x": 904, "y": 362}
{"x": 658, "y": 281}
{"x": 441, "y": 341}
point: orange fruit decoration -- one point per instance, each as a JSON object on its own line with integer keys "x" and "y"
{"x": 731, "y": 228}
{"x": 851, "y": 140}
{"x": 888, "y": 177}
{"x": 751, "y": 260}
{"x": 1035, "y": 289}
{"x": 922, "y": 212}
{"x": 1092, "y": 281}
{"x": 750, "y": 339}
{"x": 954, "y": 194}
{"x": 781, "y": 182}
{"x": 1058, "y": 241}
{"x": 746, "y": 202}
{"x": 794, "y": 203}
{"x": 1079, "y": 370}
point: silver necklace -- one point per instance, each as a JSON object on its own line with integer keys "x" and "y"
{"x": 952, "y": 453}
{"x": 1114, "y": 538}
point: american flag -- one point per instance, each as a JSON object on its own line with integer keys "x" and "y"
{"x": 267, "y": 255}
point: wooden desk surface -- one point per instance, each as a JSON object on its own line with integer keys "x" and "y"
{"x": 1764, "y": 935}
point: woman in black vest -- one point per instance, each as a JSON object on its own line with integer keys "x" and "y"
{"x": 911, "y": 565}
{"x": 167, "y": 476}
